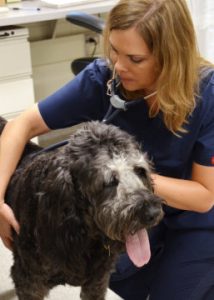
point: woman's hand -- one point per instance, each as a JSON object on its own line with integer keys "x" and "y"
{"x": 7, "y": 221}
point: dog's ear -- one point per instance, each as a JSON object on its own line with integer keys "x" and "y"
{"x": 88, "y": 180}
{"x": 59, "y": 197}
{"x": 60, "y": 217}
{"x": 81, "y": 168}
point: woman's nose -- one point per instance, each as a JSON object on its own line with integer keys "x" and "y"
{"x": 120, "y": 65}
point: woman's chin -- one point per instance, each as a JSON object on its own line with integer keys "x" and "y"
{"x": 129, "y": 86}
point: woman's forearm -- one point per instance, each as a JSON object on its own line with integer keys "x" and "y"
{"x": 13, "y": 140}
{"x": 11, "y": 148}
{"x": 183, "y": 194}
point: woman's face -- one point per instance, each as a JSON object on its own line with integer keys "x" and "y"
{"x": 133, "y": 61}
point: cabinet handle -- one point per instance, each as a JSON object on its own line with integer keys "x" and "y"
{"x": 4, "y": 35}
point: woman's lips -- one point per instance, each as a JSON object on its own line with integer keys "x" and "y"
{"x": 126, "y": 80}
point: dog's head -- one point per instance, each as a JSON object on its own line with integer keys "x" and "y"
{"x": 113, "y": 174}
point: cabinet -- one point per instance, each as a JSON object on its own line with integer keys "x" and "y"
{"x": 16, "y": 84}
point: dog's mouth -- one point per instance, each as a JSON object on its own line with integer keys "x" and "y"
{"x": 138, "y": 247}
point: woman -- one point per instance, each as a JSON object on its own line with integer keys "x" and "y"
{"x": 152, "y": 48}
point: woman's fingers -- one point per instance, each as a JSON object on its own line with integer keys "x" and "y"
{"x": 7, "y": 221}
{"x": 8, "y": 243}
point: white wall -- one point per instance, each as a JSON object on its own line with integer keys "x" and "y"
{"x": 203, "y": 17}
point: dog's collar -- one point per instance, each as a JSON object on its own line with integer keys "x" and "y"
{"x": 106, "y": 245}
{"x": 51, "y": 147}
{"x": 108, "y": 248}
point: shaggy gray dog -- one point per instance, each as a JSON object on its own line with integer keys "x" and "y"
{"x": 79, "y": 206}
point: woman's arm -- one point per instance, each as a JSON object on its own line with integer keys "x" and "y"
{"x": 12, "y": 142}
{"x": 195, "y": 195}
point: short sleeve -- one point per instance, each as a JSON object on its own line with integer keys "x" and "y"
{"x": 82, "y": 99}
{"x": 204, "y": 146}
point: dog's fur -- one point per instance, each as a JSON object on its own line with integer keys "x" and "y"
{"x": 75, "y": 205}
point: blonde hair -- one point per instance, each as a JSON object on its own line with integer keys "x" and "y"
{"x": 167, "y": 28}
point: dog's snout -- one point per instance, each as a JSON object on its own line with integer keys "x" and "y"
{"x": 149, "y": 210}
{"x": 154, "y": 215}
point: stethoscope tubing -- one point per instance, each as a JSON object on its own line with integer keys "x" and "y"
{"x": 110, "y": 115}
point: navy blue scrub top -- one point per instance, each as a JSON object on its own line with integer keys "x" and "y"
{"x": 84, "y": 99}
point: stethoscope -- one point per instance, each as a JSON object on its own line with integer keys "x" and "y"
{"x": 116, "y": 105}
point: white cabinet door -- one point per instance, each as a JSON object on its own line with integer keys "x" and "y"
{"x": 16, "y": 85}
{"x": 15, "y": 96}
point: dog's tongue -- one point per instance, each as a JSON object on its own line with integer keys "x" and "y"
{"x": 138, "y": 248}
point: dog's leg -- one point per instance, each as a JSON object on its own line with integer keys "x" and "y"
{"x": 95, "y": 289}
{"x": 28, "y": 287}
{"x": 29, "y": 295}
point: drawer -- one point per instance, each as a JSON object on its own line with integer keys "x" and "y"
{"x": 15, "y": 58}
{"x": 15, "y": 96}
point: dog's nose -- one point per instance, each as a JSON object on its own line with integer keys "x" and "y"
{"x": 153, "y": 215}
{"x": 150, "y": 212}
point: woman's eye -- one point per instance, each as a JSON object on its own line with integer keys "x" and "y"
{"x": 136, "y": 59}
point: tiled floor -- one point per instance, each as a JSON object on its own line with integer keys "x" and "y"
{"x": 59, "y": 293}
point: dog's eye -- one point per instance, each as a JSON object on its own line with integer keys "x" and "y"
{"x": 113, "y": 182}
{"x": 141, "y": 172}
